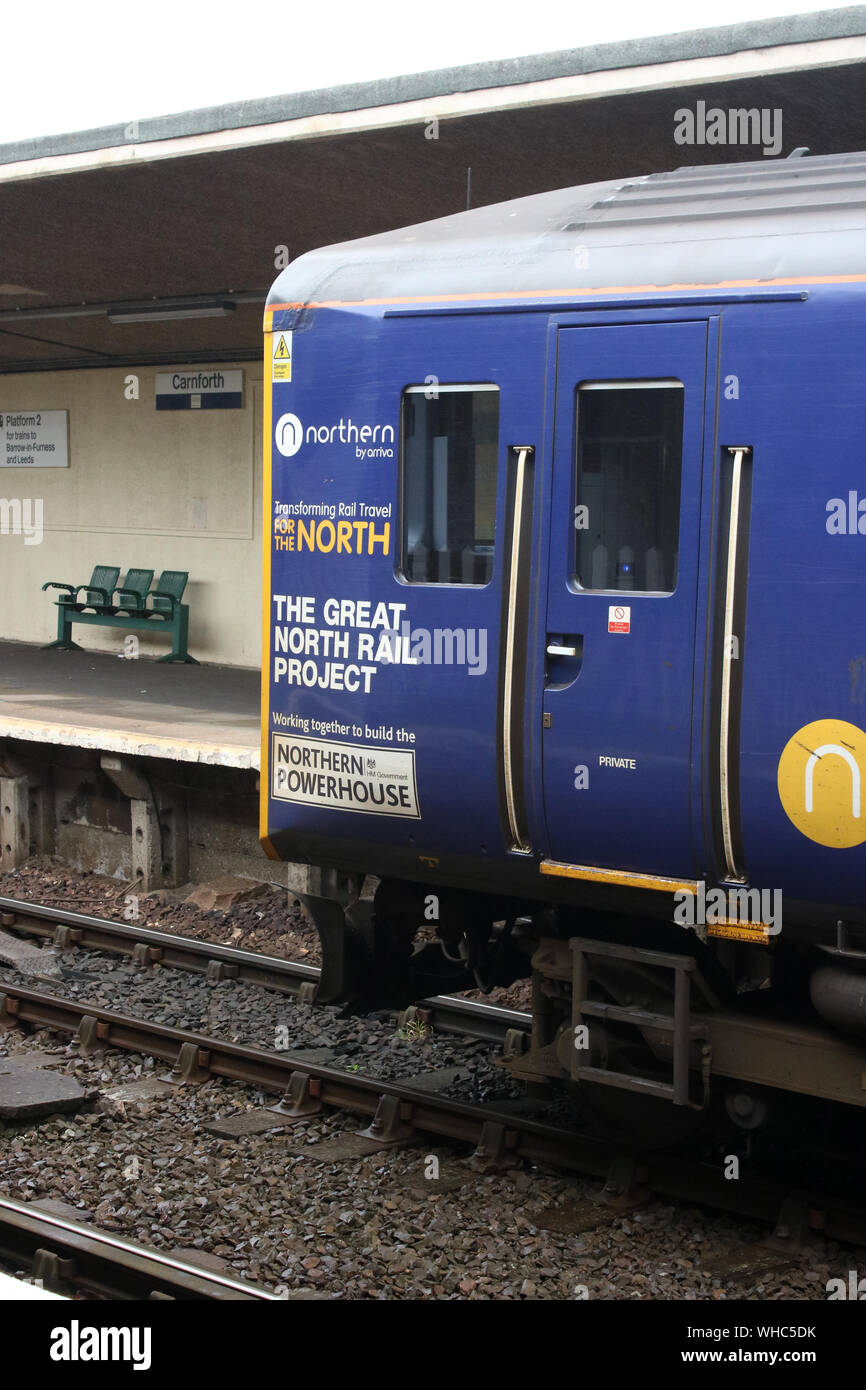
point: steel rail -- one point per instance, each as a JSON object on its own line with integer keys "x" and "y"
{"x": 72, "y": 1254}
{"x": 497, "y": 1135}
{"x": 467, "y": 1017}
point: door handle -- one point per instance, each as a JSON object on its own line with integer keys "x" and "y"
{"x": 564, "y": 652}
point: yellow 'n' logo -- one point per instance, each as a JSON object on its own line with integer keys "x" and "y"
{"x": 819, "y": 780}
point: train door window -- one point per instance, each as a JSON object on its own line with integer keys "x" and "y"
{"x": 628, "y": 470}
{"x": 450, "y": 446}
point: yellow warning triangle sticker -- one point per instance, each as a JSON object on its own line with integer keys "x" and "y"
{"x": 282, "y": 349}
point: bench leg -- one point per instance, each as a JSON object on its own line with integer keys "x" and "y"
{"x": 63, "y": 642}
{"x": 179, "y": 630}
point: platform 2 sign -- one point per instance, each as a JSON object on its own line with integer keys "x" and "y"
{"x": 34, "y": 438}
{"x": 205, "y": 390}
{"x": 344, "y": 776}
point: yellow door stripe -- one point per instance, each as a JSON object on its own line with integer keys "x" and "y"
{"x": 618, "y": 877}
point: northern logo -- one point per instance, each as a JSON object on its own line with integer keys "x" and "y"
{"x": 370, "y": 441}
{"x": 289, "y": 435}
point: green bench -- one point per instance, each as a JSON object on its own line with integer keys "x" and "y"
{"x": 102, "y": 603}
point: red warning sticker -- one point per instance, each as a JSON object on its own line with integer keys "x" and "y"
{"x": 618, "y": 618}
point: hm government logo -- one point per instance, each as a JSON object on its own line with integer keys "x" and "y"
{"x": 289, "y": 435}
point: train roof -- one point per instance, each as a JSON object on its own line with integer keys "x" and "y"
{"x": 776, "y": 221}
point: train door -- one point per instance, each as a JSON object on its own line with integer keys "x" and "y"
{"x": 622, "y": 596}
{"x": 393, "y": 465}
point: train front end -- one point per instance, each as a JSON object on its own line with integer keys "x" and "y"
{"x": 382, "y": 637}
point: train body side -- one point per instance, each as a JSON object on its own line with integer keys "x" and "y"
{"x": 464, "y": 709}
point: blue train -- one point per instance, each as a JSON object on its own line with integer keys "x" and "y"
{"x": 564, "y": 660}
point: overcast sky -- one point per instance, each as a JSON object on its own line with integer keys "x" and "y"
{"x": 72, "y": 64}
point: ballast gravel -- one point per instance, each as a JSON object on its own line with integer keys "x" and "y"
{"x": 252, "y": 1016}
{"x": 273, "y": 923}
{"x": 380, "y": 1226}
{"x": 415, "y": 1222}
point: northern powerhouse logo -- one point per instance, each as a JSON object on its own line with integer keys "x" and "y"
{"x": 370, "y": 441}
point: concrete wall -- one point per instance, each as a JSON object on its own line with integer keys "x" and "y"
{"x": 77, "y": 813}
{"x": 156, "y": 489}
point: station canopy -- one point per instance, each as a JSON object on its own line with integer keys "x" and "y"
{"x": 157, "y": 241}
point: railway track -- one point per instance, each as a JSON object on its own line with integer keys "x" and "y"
{"x": 464, "y": 1017}
{"x": 400, "y": 1112}
{"x": 70, "y": 1257}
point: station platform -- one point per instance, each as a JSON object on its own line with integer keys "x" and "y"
{"x": 81, "y": 699}
{"x": 18, "y": 1290}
